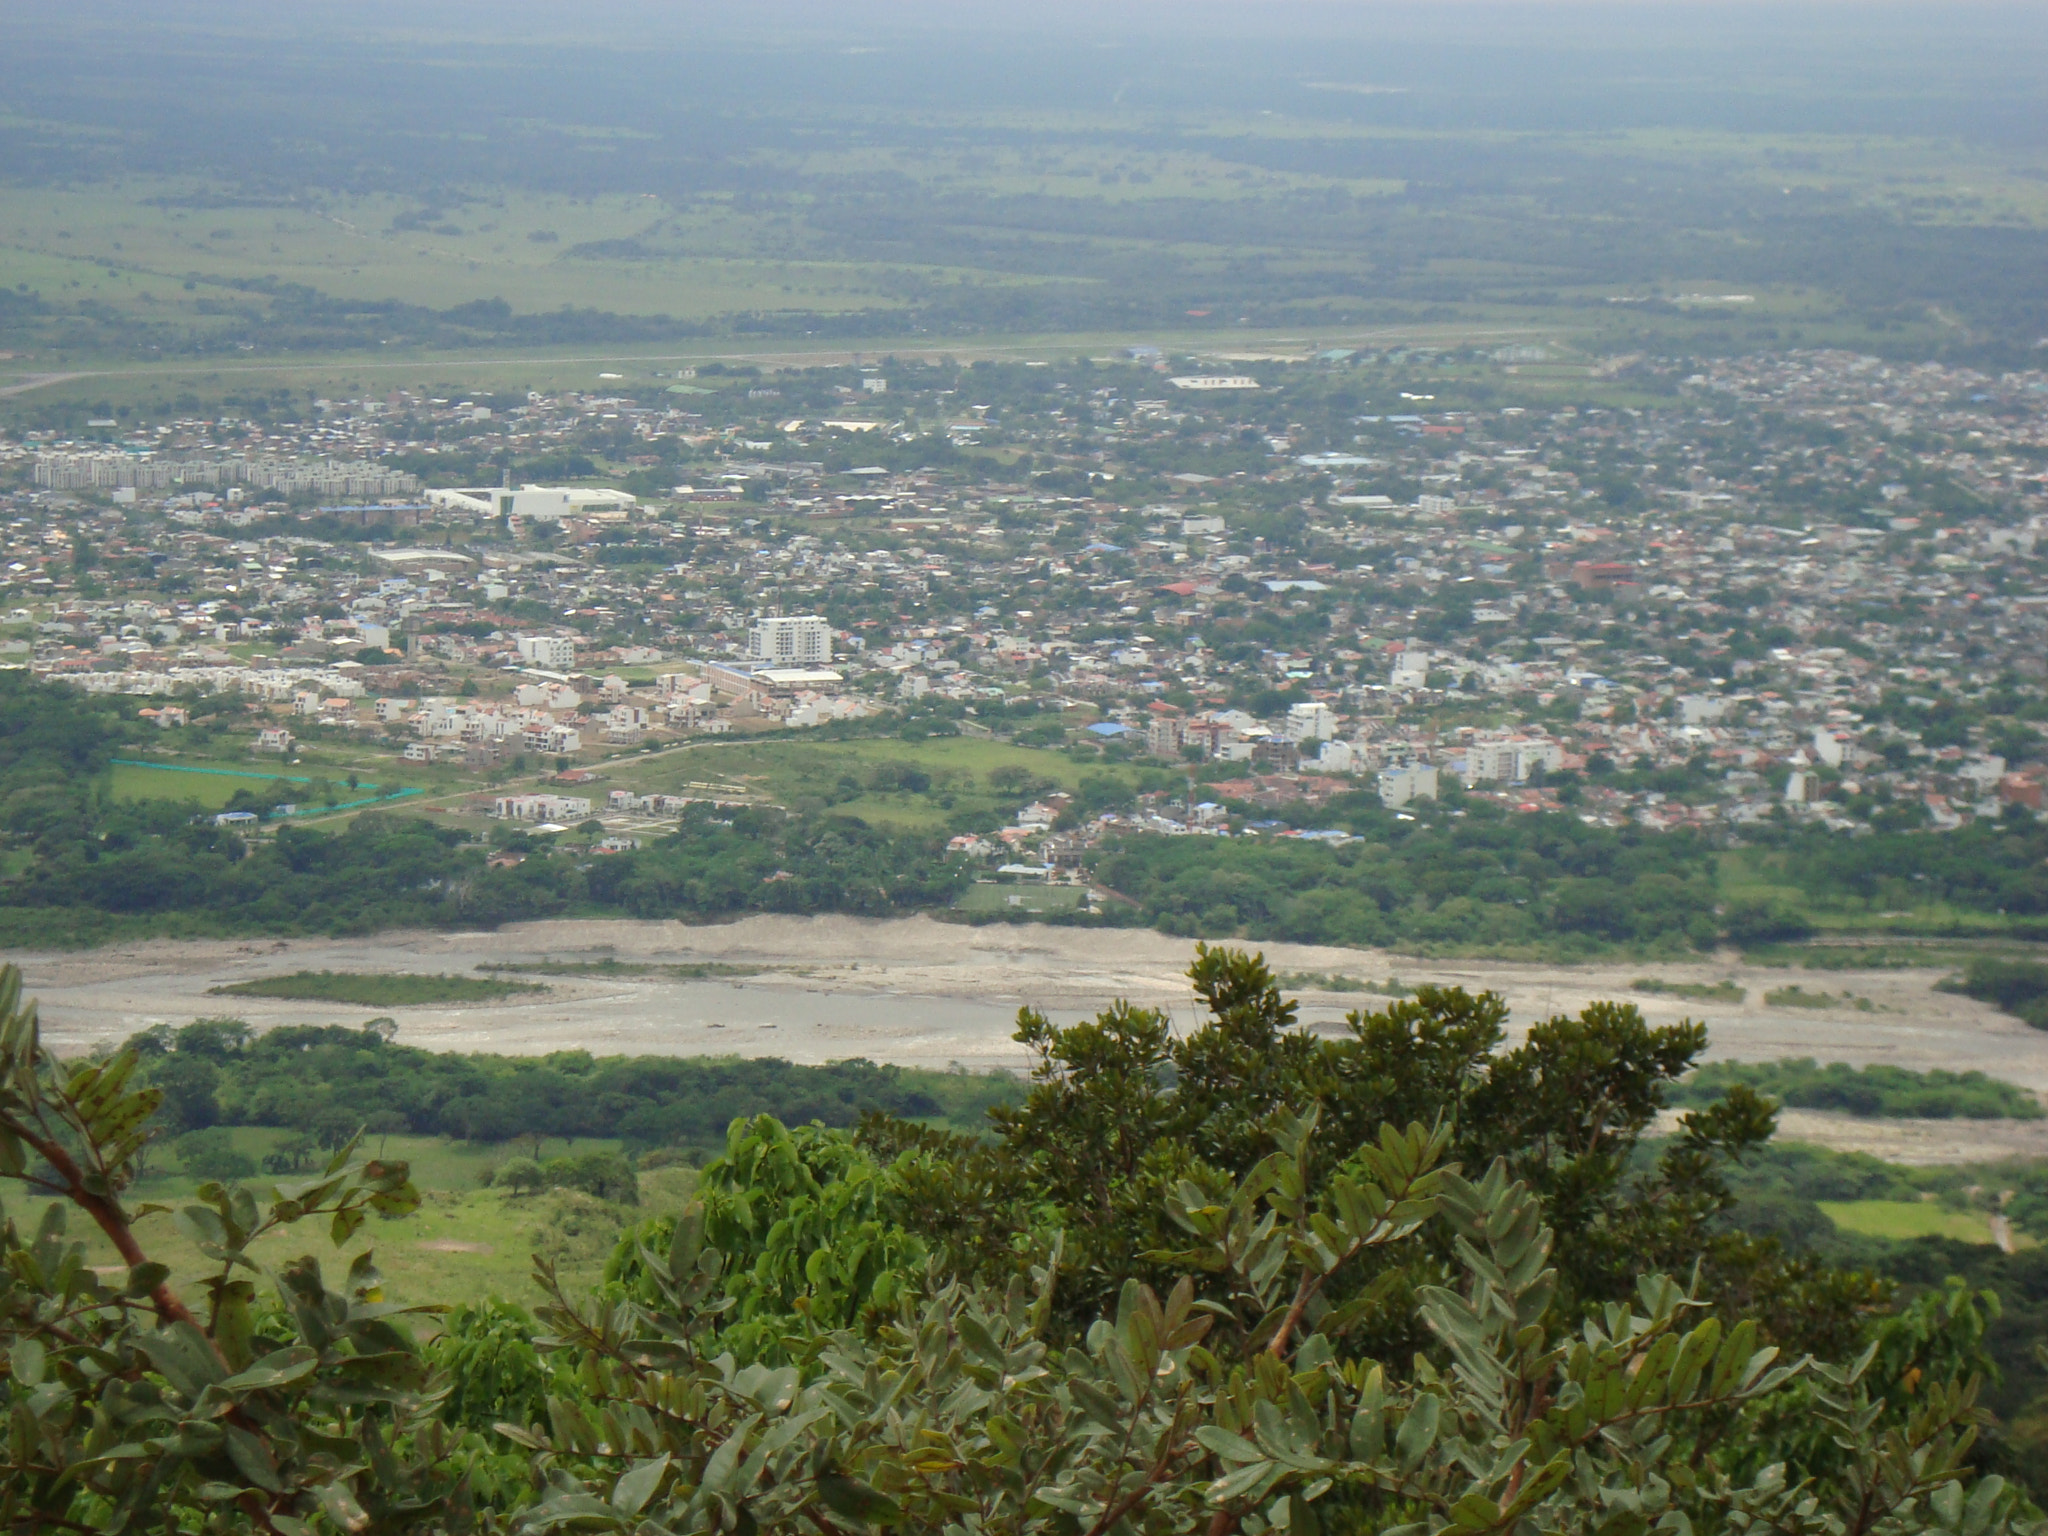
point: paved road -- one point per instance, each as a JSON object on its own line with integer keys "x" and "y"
{"x": 42, "y": 380}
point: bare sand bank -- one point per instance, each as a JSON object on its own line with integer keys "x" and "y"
{"x": 926, "y": 993}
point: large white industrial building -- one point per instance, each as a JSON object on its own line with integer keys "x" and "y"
{"x": 535, "y": 503}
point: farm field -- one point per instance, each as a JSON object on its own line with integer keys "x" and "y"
{"x": 921, "y": 196}
{"x": 211, "y": 784}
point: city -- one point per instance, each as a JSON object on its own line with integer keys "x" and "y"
{"x": 1806, "y": 587}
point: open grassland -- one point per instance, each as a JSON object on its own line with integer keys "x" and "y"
{"x": 172, "y": 249}
{"x": 1902, "y": 1219}
{"x": 132, "y": 247}
{"x": 208, "y": 774}
{"x": 60, "y": 384}
{"x": 464, "y": 1241}
{"x": 686, "y": 197}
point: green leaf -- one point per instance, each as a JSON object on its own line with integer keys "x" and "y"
{"x": 1230, "y": 1447}
{"x": 1242, "y": 1481}
{"x": 1475, "y": 1512}
{"x": 857, "y": 1501}
{"x": 1946, "y": 1502}
{"x": 25, "y": 1361}
{"x": 182, "y": 1356}
{"x": 1418, "y": 1431}
{"x": 1096, "y": 1403}
{"x": 724, "y": 1462}
{"x": 252, "y": 1459}
{"x": 342, "y": 1508}
{"x": 635, "y": 1487}
{"x": 145, "y": 1278}
{"x": 278, "y": 1369}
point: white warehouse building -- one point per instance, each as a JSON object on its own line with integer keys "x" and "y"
{"x": 800, "y": 641}
{"x": 537, "y": 503}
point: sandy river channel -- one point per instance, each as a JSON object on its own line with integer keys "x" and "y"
{"x": 936, "y": 994}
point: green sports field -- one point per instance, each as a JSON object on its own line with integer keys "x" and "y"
{"x": 209, "y": 790}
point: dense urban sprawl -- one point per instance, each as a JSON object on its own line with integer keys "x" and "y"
{"x": 1805, "y": 587}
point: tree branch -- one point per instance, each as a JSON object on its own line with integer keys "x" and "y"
{"x": 112, "y": 1220}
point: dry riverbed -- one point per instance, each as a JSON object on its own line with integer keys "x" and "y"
{"x": 935, "y": 994}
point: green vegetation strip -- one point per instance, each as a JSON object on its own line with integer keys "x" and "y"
{"x": 219, "y": 773}
{"x": 2019, "y": 987}
{"x": 372, "y": 990}
{"x": 1796, "y": 996}
{"x": 1694, "y": 991}
{"x": 686, "y": 970}
{"x": 1876, "y": 1091}
{"x": 1319, "y": 981}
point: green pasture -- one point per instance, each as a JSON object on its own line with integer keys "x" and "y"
{"x": 211, "y": 783}
{"x": 148, "y": 389}
{"x": 124, "y": 246}
{"x": 1886, "y": 954}
{"x": 1902, "y": 1219}
{"x": 179, "y": 256}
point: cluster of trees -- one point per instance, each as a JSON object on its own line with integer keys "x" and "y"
{"x": 327, "y": 1081}
{"x": 606, "y": 1175}
{"x": 1984, "y": 867}
{"x": 2020, "y": 987}
{"x": 1872, "y": 1090}
{"x": 1203, "y": 1282}
{"x": 1483, "y": 879}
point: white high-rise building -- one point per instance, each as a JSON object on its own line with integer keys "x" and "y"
{"x": 1409, "y": 782}
{"x": 804, "y": 640}
{"x": 552, "y": 651}
{"x": 1310, "y": 722}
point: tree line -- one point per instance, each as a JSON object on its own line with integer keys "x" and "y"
{"x": 1464, "y": 875}
{"x": 327, "y": 1081}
